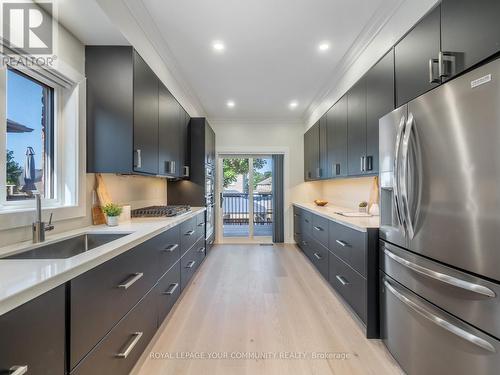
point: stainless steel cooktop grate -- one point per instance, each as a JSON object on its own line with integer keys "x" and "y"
{"x": 160, "y": 211}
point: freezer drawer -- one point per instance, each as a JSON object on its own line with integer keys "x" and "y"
{"x": 426, "y": 340}
{"x": 468, "y": 297}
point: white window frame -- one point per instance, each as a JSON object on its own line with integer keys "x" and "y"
{"x": 69, "y": 149}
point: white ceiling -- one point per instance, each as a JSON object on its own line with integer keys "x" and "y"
{"x": 271, "y": 55}
{"x": 86, "y": 20}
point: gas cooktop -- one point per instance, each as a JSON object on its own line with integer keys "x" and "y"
{"x": 160, "y": 211}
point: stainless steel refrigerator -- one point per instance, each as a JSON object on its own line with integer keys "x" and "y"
{"x": 440, "y": 228}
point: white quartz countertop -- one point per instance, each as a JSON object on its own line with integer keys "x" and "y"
{"x": 22, "y": 280}
{"x": 329, "y": 212}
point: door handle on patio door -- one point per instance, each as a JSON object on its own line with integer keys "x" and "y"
{"x": 404, "y": 184}
{"x": 397, "y": 199}
{"x": 221, "y": 199}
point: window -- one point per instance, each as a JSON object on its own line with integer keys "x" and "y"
{"x": 29, "y": 138}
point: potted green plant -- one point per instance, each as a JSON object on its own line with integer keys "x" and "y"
{"x": 112, "y": 212}
{"x": 363, "y": 207}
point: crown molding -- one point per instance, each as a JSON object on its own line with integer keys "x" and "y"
{"x": 362, "y": 41}
{"x": 146, "y": 23}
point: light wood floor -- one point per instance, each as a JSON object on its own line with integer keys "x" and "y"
{"x": 261, "y": 299}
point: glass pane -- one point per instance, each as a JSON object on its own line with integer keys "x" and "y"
{"x": 235, "y": 197}
{"x": 263, "y": 196}
{"x": 28, "y": 135}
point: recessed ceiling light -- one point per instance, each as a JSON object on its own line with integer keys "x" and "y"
{"x": 218, "y": 46}
{"x": 293, "y": 104}
{"x": 324, "y": 46}
{"x": 230, "y": 103}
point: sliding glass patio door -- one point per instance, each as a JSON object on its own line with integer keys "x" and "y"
{"x": 246, "y": 197}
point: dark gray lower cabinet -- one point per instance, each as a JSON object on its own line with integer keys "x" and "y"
{"x": 120, "y": 349}
{"x": 191, "y": 261}
{"x": 103, "y": 295}
{"x": 347, "y": 259}
{"x": 119, "y": 304}
{"x": 168, "y": 291}
{"x": 32, "y": 336}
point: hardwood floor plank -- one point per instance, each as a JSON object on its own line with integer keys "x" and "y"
{"x": 249, "y": 299}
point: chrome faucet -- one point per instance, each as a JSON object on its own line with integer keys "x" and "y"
{"x": 39, "y": 227}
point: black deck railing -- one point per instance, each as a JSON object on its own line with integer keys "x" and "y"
{"x": 236, "y": 208}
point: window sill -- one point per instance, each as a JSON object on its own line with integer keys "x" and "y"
{"x": 11, "y": 217}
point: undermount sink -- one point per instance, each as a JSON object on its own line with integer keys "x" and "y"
{"x": 69, "y": 247}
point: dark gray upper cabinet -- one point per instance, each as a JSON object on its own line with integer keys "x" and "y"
{"x": 379, "y": 102}
{"x": 337, "y": 139}
{"x": 323, "y": 148}
{"x": 311, "y": 153}
{"x": 168, "y": 134}
{"x": 110, "y": 120}
{"x": 356, "y": 128}
{"x": 184, "y": 156}
{"x": 134, "y": 124}
{"x": 202, "y": 160}
{"x": 470, "y": 32}
{"x": 145, "y": 117}
{"x": 416, "y": 59}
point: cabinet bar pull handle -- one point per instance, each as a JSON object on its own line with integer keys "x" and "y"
{"x": 317, "y": 256}
{"x": 201, "y": 250}
{"x": 189, "y": 233}
{"x": 432, "y": 79}
{"x": 132, "y": 281}
{"x": 137, "y": 336}
{"x": 139, "y": 159}
{"x": 171, "y": 289}
{"x": 342, "y": 280}
{"x": 191, "y": 264}
{"x": 341, "y": 243}
{"x": 201, "y": 224}
{"x": 319, "y": 229}
{"x": 18, "y": 370}
{"x": 171, "y": 248}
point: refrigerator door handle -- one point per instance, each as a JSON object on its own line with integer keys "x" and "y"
{"x": 404, "y": 181}
{"x": 397, "y": 199}
{"x": 447, "y": 279}
{"x": 438, "y": 320}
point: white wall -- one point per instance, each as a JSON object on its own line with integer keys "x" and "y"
{"x": 272, "y": 138}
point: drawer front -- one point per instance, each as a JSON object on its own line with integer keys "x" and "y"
{"x": 349, "y": 245}
{"x": 306, "y": 246}
{"x": 470, "y": 298}
{"x": 168, "y": 291}
{"x": 190, "y": 263}
{"x": 32, "y": 335}
{"x": 440, "y": 343}
{"x": 169, "y": 246}
{"x": 297, "y": 215}
{"x": 306, "y": 223}
{"x": 103, "y": 295}
{"x": 320, "y": 229}
{"x": 350, "y": 284}
{"x": 319, "y": 257}
{"x": 200, "y": 225}
{"x": 189, "y": 233}
{"x": 121, "y": 348}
